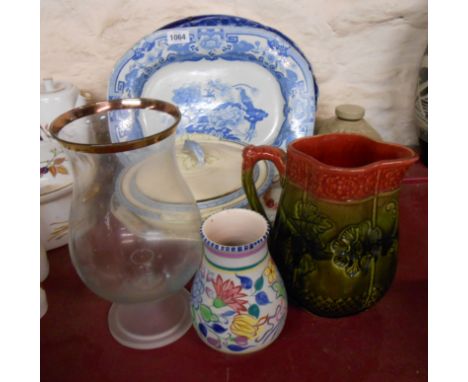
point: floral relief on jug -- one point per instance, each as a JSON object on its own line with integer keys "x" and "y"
{"x": 341, "y": 244}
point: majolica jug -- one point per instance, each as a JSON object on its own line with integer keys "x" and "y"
{"x": 335, "y": 236}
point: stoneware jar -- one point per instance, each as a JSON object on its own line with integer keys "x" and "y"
{"x": 349, "y": 119}
{"x": 238, "y": 299}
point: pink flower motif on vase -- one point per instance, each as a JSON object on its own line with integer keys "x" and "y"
{"x": 227, "y": 293}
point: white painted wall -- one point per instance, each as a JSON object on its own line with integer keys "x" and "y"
{"x": 362, "y": 51}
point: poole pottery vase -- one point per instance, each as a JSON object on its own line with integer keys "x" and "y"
{"x": 335, "y": 236}
{"x": 239, "y": 302}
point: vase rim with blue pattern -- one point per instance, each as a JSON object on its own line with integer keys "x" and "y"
{"x": 235, "y": 239}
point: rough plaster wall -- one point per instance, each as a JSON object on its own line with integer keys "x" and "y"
{"x": 365, "y": 51}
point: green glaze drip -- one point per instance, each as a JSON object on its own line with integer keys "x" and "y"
{"x": 374, "y": 224}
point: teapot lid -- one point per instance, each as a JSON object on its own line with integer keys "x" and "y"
{"x": 49, "y": 86}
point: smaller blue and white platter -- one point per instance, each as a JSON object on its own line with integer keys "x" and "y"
{"x": 230, "y": 77}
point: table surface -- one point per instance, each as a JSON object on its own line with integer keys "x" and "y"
{"x": 386, "y": 343}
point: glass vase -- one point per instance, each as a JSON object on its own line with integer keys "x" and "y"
{"x": 134, "y": 224}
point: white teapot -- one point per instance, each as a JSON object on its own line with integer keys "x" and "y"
{"x": 57, "y": 97}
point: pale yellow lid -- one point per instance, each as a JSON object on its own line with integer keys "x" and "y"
{"x": 220, "y": 172}
{"x": 350, "y": 112}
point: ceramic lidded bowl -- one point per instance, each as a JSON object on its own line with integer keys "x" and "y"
{"x": 210, "y": 166}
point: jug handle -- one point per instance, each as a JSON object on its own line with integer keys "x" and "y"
{"x": 251, "y": 155}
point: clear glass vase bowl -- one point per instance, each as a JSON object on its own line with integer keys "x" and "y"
{"x": 134, "y": 224}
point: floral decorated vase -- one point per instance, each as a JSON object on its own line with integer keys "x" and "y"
{"x": 238, "y": 299}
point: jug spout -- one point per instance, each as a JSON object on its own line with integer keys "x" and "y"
{"x": 345, "y": 167}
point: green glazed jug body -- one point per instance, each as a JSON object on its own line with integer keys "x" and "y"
{"x": 335, "y": 236}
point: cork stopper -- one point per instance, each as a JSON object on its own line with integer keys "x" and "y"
{"x": 350, "y": 112}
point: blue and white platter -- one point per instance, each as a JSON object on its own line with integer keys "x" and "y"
{"x": 230, "y": 77}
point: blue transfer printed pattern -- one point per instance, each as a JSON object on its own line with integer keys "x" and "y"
{"x": 232, "y": 43}
{"x": 235, "y": 118}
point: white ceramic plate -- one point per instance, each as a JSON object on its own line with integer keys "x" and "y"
{"x": 230, "y": 77}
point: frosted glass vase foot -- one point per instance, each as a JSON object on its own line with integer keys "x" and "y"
{"x": 151, "y": 325}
